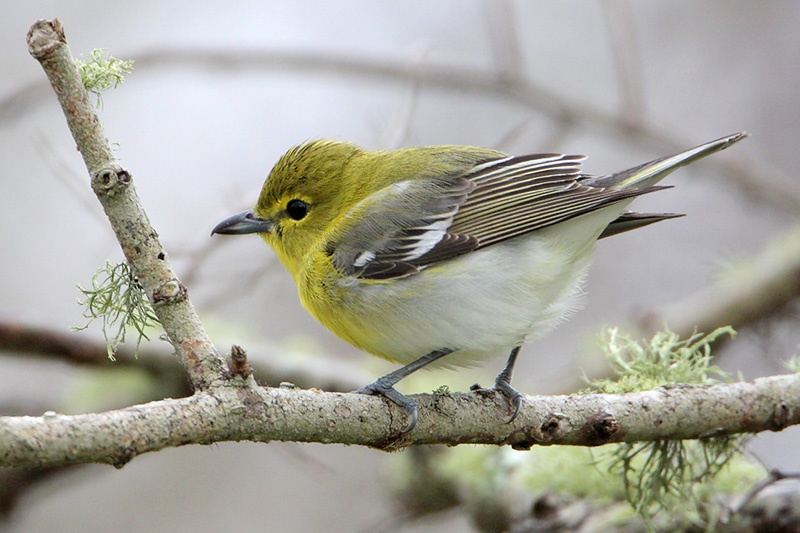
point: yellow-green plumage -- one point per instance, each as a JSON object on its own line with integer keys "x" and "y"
{"x": 480, "y": 303}
{"x": 334, "y": 176}
{"x": 311, "y": 172}
{"x": 440, "y": 249}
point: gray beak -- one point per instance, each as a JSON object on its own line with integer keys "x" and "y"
{"x": 244, "y": 222}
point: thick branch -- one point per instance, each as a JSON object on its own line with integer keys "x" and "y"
{"x": 242, "y": 411}
{"x": 114, "y": 188}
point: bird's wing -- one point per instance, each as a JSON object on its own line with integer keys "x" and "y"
{"x": 400, "y": 229}
{"x": 412, "y": 224}
{"x": 517, "y": 195}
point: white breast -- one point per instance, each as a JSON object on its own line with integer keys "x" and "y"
{"x": 481, "y": 304}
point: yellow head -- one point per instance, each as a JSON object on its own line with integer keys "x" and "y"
{"x": 303, "y": 195}
{"x": 316, "y": 183}
{"x": 307, "y": 190}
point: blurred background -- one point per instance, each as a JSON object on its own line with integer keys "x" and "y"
{"x": 220, "y": 92}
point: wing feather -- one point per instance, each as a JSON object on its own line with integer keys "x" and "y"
{"x": 410, "y": 225}
{"x": 514, "y": 196}
{"x": 400, "y": 229}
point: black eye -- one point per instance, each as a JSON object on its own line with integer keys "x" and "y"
{"x": 297, "y": 209}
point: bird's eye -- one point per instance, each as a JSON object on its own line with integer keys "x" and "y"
{"x": 297, "y": 209}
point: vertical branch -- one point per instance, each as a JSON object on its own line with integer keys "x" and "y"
{"x": 114, "y": 188}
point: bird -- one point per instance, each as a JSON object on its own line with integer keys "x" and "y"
{"x": 444, "y": 255}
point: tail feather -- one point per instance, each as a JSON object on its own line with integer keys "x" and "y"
{"x": 651, "y": 173}
{"x": 630, "y": 220}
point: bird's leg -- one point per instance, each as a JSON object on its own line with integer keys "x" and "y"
{"x": 385, "y": 386}
{"x": 502, "y": 384}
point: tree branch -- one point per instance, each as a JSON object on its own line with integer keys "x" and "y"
{"x": 269, "y": 367}
{"x": 231, "y": 407}
{"x": 113, "y": 186}
{"x": 22, "y": 338}
{"x": 243, "y": 411}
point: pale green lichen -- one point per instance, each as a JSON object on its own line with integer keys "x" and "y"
{"x": 101, "y": 72}
{"x": 793, "y": 364}
{"x": 117, "y": 298}
{"x": 664, "y": 360}
{"x": 670, "y": 484}
{"x": 657, "y": 476}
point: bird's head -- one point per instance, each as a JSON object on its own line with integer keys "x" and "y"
{"x": 306, "y": 191}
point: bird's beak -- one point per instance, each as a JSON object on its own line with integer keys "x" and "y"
{"x": 244, "y": 222}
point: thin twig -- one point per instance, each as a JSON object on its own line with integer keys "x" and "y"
{"x": 61, "y": 171}
{"x": 506, "y": 50}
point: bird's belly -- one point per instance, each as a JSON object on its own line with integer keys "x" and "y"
{"x": 479, "y": 305}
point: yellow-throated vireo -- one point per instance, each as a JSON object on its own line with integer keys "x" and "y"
{"x": 443, "y": 255}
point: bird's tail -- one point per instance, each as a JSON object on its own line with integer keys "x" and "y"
{"x": 651, "y": 173}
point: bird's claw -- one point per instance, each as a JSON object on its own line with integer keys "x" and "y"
{"x": 379, "y": 388}
{"x": 511, "y": 394}
{"x": 507, "y": 391}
